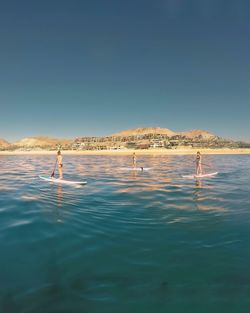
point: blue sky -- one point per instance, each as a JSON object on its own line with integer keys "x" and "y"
{"x": 94, "y": 67}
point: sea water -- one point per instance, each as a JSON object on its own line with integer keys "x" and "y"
{"x": 127, "y": 241}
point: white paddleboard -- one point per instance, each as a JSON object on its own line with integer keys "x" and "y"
{"x": 62, "y": 181}
{"x": 200, "y": 176}
{"x": 135, "y": 168}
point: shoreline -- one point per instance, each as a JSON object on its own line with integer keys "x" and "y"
{"x": 129, "y": 152}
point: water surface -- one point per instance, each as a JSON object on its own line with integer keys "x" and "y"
{"x": 125, "y": 242}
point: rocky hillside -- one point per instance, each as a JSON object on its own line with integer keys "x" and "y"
{"x": 144, "y": 131}
{"x": 165, "y": 131}
{"x": 198, "y": 133}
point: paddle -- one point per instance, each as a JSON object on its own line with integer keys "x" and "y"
{"x": 207, "y": 165}
{"x": 204, "y": 164}
{"x": 53, "y": 173}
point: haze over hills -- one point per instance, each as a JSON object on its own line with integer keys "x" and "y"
{"x": 41, "y": 142}
{"x": 4, "y": 143}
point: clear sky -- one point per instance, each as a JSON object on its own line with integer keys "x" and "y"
{"x": 94, "y": 67}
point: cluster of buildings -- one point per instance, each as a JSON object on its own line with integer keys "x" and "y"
{"x": 149, "y": 141}
{"x": 141, "y": 141}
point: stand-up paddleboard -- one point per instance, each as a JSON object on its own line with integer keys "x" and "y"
{"x": 135, "y": 168}
{"x": 62, "y": 181}
{"x": 200, "y": 176}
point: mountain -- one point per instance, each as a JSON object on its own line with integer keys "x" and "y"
{"x": 41, "y": 142}
{"x": 197, "y": 133}
{"x": 4, "y": 143}
{"x": 165, "y": 131}
{"x": 145, "y": 131}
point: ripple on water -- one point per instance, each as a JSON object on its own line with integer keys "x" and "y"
{"x": 125, "y": 240}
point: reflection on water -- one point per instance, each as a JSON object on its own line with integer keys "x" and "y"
{"x": 132, "y": 240}
{"x": 59, "y": 195}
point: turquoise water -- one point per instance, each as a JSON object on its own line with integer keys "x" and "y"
{"x": 125, "y": 242}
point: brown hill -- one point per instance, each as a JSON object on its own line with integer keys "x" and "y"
{"x": 145, "y": 131}
{"x": 41, "y": 142}
{"x": 165, "y": 131}
{"x": 197, "y": 133}
{"x": 4, "y": 143}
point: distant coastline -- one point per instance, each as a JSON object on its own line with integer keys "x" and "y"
{"x": 147, "y": 140}
{"x": 163, "y": 151}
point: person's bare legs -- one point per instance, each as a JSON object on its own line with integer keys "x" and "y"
{"x": 199, "y": 169}
{"x": 60, "y": 171}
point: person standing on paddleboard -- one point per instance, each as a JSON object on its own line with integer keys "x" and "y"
{"x": 134, "y": 160}
{"x": 198, "y": 164}
{"x": 60, "y": 164}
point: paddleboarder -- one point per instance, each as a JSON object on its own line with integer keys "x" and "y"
{"x": 198, "y": 163}
{"x": 134, "y": 160}
{"x": 60, "y": 164}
